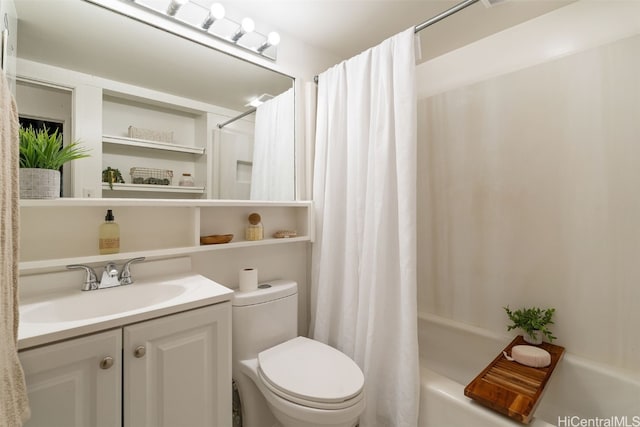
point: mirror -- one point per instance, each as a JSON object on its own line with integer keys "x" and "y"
{"x": 161, "y": 100}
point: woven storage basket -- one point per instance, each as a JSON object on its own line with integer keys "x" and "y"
{"x": 151, "y": 176}
{"x": 150, "y": 134}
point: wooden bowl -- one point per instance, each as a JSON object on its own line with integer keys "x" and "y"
{"x": 215, "y": 239}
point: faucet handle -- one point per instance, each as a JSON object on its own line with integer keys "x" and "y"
{"x": 91, "y": 279}
{"x": 125, "y": 274}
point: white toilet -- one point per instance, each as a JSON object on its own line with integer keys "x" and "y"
{"x": 283, "y": 379}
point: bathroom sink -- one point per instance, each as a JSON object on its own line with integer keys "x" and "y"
{"x": 70, "y": 312}
{"x": 82, "y": 305}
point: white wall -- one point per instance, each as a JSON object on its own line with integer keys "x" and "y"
{"x": 281, "y": 262}
{"x": 529, "y": 184}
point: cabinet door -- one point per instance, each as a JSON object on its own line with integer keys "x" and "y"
{"x": 177, "y": 370}
{"x": 70, "y": 384}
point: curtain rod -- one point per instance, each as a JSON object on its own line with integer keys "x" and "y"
{"x": 437, "y": 18}
{"x": 246, "y": 113}
{"x": 443, "y": 15}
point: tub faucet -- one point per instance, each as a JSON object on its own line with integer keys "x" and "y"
{"x": 110, "y": 275}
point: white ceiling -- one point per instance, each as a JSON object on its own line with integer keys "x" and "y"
{"x": 348, "y": 27}
{"x": 78, "y": 35}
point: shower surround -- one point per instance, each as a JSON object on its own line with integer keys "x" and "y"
{"x": 529, "y": 191}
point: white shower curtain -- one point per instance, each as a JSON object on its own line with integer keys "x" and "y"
{"x": 364, "y": 256}
{"x": 272, "y": 174}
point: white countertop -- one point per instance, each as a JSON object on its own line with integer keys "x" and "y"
{"x": 56, "y": 316}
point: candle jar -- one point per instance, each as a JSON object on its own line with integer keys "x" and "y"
{"x": 254, "y": 230}
{"x": 186, "y": 180}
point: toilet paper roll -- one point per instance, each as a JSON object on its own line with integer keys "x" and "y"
{"x": 248, "y": 279}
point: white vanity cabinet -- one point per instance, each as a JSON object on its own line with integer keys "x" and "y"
{"x": 75, "y": 383}
{"x": 177, "y": 370}
{"x": 169, "y": 371}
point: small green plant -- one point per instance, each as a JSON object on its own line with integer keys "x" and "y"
{"x": 531, "y": 319}
{"x": 110, "y": 176}
{"x": 41, "y": 150}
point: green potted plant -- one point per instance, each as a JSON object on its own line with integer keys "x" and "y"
{"x": 41, "y": 157}
{"x": 533, "y": 322}
{"x": 112, "y": 176}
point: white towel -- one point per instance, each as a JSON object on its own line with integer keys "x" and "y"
{"x": 14, "y": 405}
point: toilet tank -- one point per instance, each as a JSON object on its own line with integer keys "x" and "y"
{"x": 264, "y": 318}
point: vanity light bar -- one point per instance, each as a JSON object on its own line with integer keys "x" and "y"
{"x": 258, "y": 43}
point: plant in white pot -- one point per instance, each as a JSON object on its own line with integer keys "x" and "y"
{"x": 533, "y": 322}
{"x": 41, "y": 157}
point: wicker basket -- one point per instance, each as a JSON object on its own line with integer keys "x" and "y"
{"x": 150, "y": 134}
{"x": 151, "y": 176}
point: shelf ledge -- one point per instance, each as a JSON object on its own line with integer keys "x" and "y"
{"x": 49, "y": 264}
{"x": 148, "y": 188}
{"x": 100, "y": 202}
{"x": 154, "y": 145}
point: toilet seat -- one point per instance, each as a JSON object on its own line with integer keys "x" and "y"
{"x": 312, "y": 374}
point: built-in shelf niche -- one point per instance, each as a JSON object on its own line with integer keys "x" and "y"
{"x": 186, "y": 152}
{"x": 155, "y": 228}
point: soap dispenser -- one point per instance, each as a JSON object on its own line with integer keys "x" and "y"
{"x": 109, "y": 240}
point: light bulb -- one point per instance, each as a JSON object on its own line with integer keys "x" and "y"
{"x": 216, "y": 11}
{"x": 273, "y": 38}
{"x": 248, "y": 25}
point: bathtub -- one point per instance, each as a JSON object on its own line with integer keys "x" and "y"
{"x": 580, "y": 392}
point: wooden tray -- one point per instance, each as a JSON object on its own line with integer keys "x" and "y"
{"x": 511, "y": 388}
{"x": 216, "y": 239}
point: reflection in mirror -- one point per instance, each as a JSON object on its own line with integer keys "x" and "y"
{"x": 149, "y": 102}
{"x": 270, "y": 174}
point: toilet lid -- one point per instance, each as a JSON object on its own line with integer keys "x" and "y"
{"x": 310, "y": 370}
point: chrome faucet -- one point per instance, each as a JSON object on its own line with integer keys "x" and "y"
{"x": 125, "y": 277}
{"x": 91, "y": 280}
{"x": 110, "y": 276}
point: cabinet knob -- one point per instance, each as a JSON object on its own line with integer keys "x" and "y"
{"x": 106, "y": 363}
{"x": 140, "y": 351}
